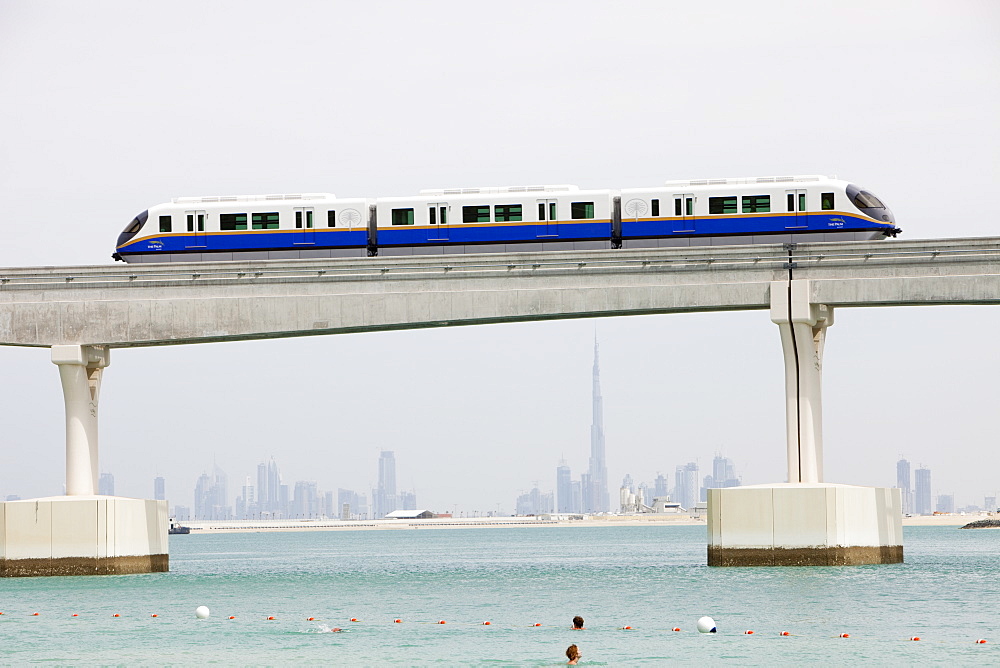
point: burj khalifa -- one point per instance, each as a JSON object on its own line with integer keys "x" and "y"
{"x": 595, "y": 486}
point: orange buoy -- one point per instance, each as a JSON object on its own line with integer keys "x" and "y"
{"x": 442, "y": 622}
{"x": 74, "y": 615}
{"x": 981, "y": 641}
{"x": 676, "y": 628}
{"x": 784, "y": 633}
{"x": 270, "y": 619}
{"x": 311, "y": 619}
{"x": 626, "y": 628}
{"x": 748, "y": 633}
{"x": 844, "y": 635}
{"x": 397, "y": 621}
{"x": 34, "y": 614}
{"x": 116, "y": 615}
{"x": 354, "y": 619}
{"x": 154, "y": 615}
{"x": 915, "y": 638}
{"x": 231, "y": 617}
{"x": 537, "y": 624}
{"x": 486, "y": 623}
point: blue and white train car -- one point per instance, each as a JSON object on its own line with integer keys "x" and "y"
{"x": 763, "y": 210}
{"x": 247, "y": 227}
{"x": 490, "y": 220}
{"x": 758, "y": 210}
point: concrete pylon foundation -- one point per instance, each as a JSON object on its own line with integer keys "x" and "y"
{"x": 803, "y": 522}
{"x": 82, "y": 533}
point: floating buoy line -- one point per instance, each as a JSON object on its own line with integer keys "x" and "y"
{"x": 705, "y": 625}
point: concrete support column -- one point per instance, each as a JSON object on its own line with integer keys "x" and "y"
{"x": 80, "y": 368}
{"x": 803, "y": 331}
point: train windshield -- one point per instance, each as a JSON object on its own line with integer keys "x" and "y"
{"x": 136, "y": 223}
{"x": 865, "y": 200}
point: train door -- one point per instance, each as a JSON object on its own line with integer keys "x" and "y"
{"x": 437, "y": 218}
{"x": 795, "y": 205}
{"x": 548, "y": 218}
{"x": 684, "y": 213}
{"x": 197, "y": 238}
{"x": 305, "y": 231}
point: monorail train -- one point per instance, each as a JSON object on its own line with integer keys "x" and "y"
{"x": 483, "y": 220}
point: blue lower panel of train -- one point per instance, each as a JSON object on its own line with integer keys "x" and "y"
{"x": 258, "y": 240}
{"x": 491, "y": 234}
{"x": 741, "y": 225}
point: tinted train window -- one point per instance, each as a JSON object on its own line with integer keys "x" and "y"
{"x": 309, "y": 219}
{"x": 722, "y": 205}
{"x": 234, "y": 221}
{"x": 507, "y": 213}
{"x": 756, "y": 203}
{"x": 402, "y": 216}
{"x": 265, "y": 221}
{"x": 865, "y": 200}
{"x": 476, "y": 214}
{"x": 581, "y": 210}
{"x": 826, "y": 201}
{"x": 201, "y": 222}
{"x": 656, "y": 207}
{"x": 331, "y": 218}
{"x": 165, "y": 224}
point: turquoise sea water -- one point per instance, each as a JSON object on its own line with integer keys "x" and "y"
{"x": 649, "y": 578}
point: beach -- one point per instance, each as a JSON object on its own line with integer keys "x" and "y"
{"x": 645, "y": 520}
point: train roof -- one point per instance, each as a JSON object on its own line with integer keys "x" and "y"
{"x": 252, "y": 198}
{"x": 747, "y": 180}
{"x": 496, "y": 190}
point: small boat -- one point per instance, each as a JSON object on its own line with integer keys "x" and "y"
{"x": 176, "y": 528}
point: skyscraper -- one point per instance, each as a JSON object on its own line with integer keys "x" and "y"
{"x": 903, "y": 483}
{"x": 596, "y": 498}
{"x": 564, "y": 489}
{"x": 922, "y": 496}
{"x": 306, "y": 499}
{"x": 269, "y": 490}
{"x": 660, "y": 488}
{"x": 211, "y": 497}
{"x": 384, "y": 497}
{"x": 106, "y": 485}
{"x": 686, "y": 485}
{"x": 723, "y": 475}
{"x": 159, "y": 489}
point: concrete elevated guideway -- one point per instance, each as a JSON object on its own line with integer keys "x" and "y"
{"x": 162, "y": 304}
{"x": 83, "y": 312}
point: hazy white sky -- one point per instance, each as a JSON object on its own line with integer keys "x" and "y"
{"x": 111, "y": 107}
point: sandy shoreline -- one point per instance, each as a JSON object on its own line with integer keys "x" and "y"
{"x": 251, "y": 526}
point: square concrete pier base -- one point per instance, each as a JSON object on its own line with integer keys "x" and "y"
{"x": 804, "y": 524}
{"x": 83, "y": 535}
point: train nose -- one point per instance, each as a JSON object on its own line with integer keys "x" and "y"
{"x": 132, "y": 228}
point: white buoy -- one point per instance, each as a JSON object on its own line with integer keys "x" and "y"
{"x": 202, "y": 612}
{"x": 706, "y": 625}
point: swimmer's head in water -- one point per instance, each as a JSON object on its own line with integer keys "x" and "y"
{"x": 578, "y": 622}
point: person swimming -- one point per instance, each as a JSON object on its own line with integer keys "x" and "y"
{"x": 573, "y": 654}
{"x": 578, "y": 623}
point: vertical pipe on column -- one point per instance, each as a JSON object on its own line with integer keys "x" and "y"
{"x": 791, "y": 402}
{"x": 810, "y": 407}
